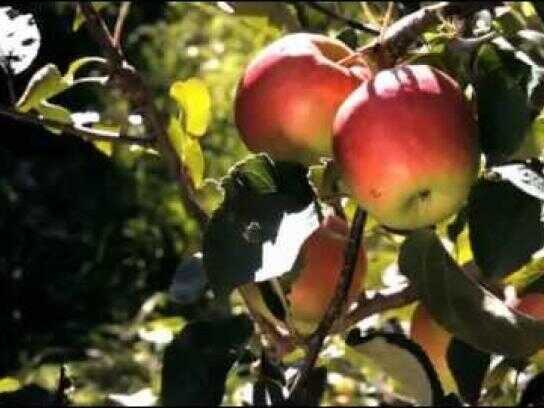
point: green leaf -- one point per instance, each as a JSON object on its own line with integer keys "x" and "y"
{"x": 463, "y": 307}
{"x": 78, "y": 64}
{"x": 255, "y": 235}
{"x": 196, "y": 363}
{"x": 277, "y": 13}
{"x": 79, "y": 18}
{"x": 503, "y": 107}
{"x": 469, "y": 367}
{"x": 188, "y": 150}
{"x": 504, "y": 227}
{"x": 9, "y": 384}
{"x": 194, "y": 99}
{"x": 54, "y": 112}
{"x": 44, "y": 84}
{"x": 210, "y": 195}
{"x": 401, "y": 359}
{"x": 193, "y": 158}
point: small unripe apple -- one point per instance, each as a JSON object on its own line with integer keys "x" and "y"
{"x": 288, "y": 96}
{"x": 321, "y": 262}
{"x": 406, "y": 144}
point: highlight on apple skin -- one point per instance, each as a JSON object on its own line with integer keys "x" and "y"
{"x": 289, "y": 94}
{"x": 406, "y": 143}
{"x": 321, "y": 262}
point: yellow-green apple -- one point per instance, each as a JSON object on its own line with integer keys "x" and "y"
{"x": 319, "y": 268}
{"x": 288, "y": 96}
{"x": 406, "y": 144}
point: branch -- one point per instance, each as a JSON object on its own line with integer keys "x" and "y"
{"x": 123, "y": 13}
{"x": 349, "y": 22}
{"x": 337, "y": 303}
{"x": 133, "y": 87}
{"x": 398, "y": 38}
{"x": 378, "y": 303}
{"x": 76, "y": 130}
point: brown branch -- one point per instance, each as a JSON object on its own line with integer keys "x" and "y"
{"x": 123, "y": 13}
{"x": 133, "y": 87}
{"x": 377, "y": 304}
{"x": 347, "y": 21}
{"x": 80, "y": 131}
{"x": 337, "y": 304}
{"x": 398, "y": 38}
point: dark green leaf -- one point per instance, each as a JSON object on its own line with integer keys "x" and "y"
{"x": 469, "y": 367}
{"x": 533, "y": 395}
{"x": 312, "y": 392}
{"x": 504, "y": 227}
{"x": 255, "y": 235}
{"x": 189, "y": 283}
{"x": 196, "y": 363}
{"x": 462, "y": 306}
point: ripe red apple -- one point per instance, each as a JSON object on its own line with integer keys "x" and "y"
{"x": 288, "y": 96}
{"x": 406, "y": 143}
{"x": 321, "y": 262}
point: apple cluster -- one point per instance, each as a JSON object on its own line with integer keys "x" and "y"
{"x": 404, "y": 139}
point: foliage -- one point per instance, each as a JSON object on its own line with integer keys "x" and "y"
{"x": 104, "y": 271}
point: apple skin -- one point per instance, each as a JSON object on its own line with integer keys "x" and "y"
{"x": 406, "y": 144}
{"x": 321, "y": 263}
{"x": 435, "y": 340}
{"x": 532, "y": 304}
{"x": 287, "y": 98}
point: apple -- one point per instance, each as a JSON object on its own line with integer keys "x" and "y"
{"x": 288, "y": 96}
{"x": 435, "y": 340}
{"x": 406, "y": 145}
{"x": 320, "y": 264}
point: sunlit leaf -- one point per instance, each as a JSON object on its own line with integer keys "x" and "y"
{"x": 9, "y": 384}
{"x": 194, "y": 99}
{"x": 210, "y": 195}
{"x": 44, "y": 84}
{"x": 193, "y": 158}
{"x": 80, "y": 63}
{"x": 403, "y": 360}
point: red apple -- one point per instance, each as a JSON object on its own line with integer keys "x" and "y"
{"x": 435, "y": 340}
{"x": 321, "y": 262}
{"x": 288, "y": 96}
{"x": 532, "y": 304}
{"x": 406, "y": 144}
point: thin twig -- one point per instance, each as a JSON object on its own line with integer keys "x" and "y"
{"x": 123, "y": 13}
{"x": 76, "y": 130}
{"x": 131, "y": 84}
{"x": 337, "y": 303}
{"x": 348, "y": 21}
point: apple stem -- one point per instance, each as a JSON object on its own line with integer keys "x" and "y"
{"x": 337, "y": 304}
